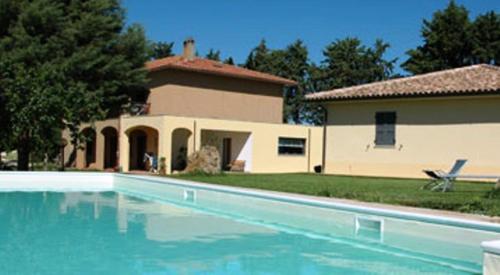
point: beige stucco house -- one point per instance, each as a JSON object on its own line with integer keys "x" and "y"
{"x": 193, "y": 102}
{"x": 398, "y": 127}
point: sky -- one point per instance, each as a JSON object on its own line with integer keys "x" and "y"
{"x": 235, "y": 27}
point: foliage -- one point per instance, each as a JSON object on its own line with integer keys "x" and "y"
{"x": 213, "y": 55}
{"x": 63, "y": 63}
{"x": 471, "y": 197}
{"x": 291, "y": 63}
{"x": 163, "y": 166}
{"x": 160, "y": 50}
{"x": 451, "y": 40}
{"x": 229, "y": 61}
{"x": 485, "y": 37}
{"x": 347, "y": 63}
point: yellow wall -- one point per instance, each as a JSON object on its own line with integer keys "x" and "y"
{"x": 265, "y": 158}
{"x": 180, "y": 93}
{"x": 430, "y": 134}
{"x": 80, "y": 154}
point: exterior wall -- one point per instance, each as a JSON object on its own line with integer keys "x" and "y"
{"x": 264, "y": 136}
{"x": 430, "y": 134}
{"x": 80, "y": 153}
{"x": 240, "y": 144}
{"x": 179, "y": 93}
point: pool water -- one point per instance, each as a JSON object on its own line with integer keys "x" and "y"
{"x": 113, "y": 233}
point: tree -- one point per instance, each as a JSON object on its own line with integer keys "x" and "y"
{"x": 213, "y": 55}
{"x": 451, "y": 40}
{"x": 485, "y": 36}
{"x": 291, "y": 63}
{"x": 348, "y": 63}
{"x": 258, "y": 59}
{"x": 229, "y": 61}
{"x": 161, "y": 50}
{"x": 63, "y": 63}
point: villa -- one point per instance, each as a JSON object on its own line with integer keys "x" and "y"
{"x": 398, "y": 127}
{"x": 191, "y": 102}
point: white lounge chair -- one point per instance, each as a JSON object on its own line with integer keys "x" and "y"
{"x": 444, "y": 181}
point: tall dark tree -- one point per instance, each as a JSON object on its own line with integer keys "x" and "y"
{"x": 63, "y": 63}
{"x": 160, "y": 50}
{"x": 291, "y": 63}
{"x": 213, "y": 55}
{"x": 258, "y": 59}
{"x": 485, "y": 37}
{"x": 451, "y": 40}
{"x": 229, "y": 61}
{"x": 347, "y": 63}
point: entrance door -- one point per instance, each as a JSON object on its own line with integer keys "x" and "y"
{"x": 110, "y": 148}
{"x": 141, "y": 151}
{"x": 226, "y": 153}
{"x": 138, "y": 142}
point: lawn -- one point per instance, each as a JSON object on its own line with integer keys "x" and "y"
{"x": 469, "y": 197}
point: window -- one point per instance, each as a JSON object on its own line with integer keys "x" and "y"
{"x": 385, "y": 128}
{"x": 291, "y": 146}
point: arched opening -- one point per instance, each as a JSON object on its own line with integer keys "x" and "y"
{"x": 142, "y": 140}
{"x": 178, "y": 159}
{"x": 110, "y": 147}
{"x": 90, "y": 146}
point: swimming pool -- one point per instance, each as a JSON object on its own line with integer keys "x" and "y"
{"x": 143, "y": 225}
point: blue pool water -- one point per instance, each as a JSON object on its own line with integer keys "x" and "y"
{"x": 113, "y": 233}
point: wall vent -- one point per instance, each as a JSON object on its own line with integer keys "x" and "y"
{"x": 371, "y": 228}
{"x": 190, "y": 195}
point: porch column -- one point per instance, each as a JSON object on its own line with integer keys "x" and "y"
{"x": 165, "y": 145}
{"x": 99, "y": 149}
{"x": 124, "y": 148}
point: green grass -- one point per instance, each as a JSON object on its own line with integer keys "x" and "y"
{"x": 469, "y": 197}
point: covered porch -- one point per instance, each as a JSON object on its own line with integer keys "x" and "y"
{"x": 234, "y": 147}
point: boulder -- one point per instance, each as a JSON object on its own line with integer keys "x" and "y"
{"x": 206, "y": 161}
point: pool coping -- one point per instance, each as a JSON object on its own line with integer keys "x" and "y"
{"x": 470, "y": 221}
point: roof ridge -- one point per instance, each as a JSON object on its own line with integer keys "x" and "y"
{"x": 406, "y": 78}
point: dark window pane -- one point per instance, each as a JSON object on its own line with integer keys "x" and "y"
{"x": 385, "y": 128}
{"x": 291, "y": 146}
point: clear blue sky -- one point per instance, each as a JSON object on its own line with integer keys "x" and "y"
{"x": 236, "y": 26}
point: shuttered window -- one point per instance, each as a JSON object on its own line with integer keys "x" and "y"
{"x": 385, "y": 128}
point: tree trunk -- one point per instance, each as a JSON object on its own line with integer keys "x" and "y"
{"x": 23, "y": 154}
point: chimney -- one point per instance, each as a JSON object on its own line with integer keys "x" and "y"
{"x": 189, "y": 50}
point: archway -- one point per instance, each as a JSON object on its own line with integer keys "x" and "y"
{"x": 110, "y": 147}
{"x": 142, "y": 140}
{"x": 89, "y": 135}
{"x": 178, "y": 159}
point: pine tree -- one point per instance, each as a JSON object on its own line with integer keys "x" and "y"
{"x": 451, "y": 40}
{"x": 63, "y": 63}
{"x": 485, "y": 36}
{"x": 160, "y": 50}
{"x": 229, "y": 61}
{"x": 213, "y": 55}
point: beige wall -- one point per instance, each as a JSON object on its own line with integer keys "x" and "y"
{"x": 98, "y": 126}
{"x": 188, "y": 94}
{"x": 264, "y": 138}
{"x": 430, "y": 134}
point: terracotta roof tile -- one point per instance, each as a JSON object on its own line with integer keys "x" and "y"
{"x": 476, "y": 79}
{"x": 202, "y": 65}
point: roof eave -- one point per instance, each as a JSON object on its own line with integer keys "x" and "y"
{"x": 284, "y": 82}
{"x": 399, "y": 96}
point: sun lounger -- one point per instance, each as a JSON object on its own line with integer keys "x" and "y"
{"x": 444, "y": 181}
